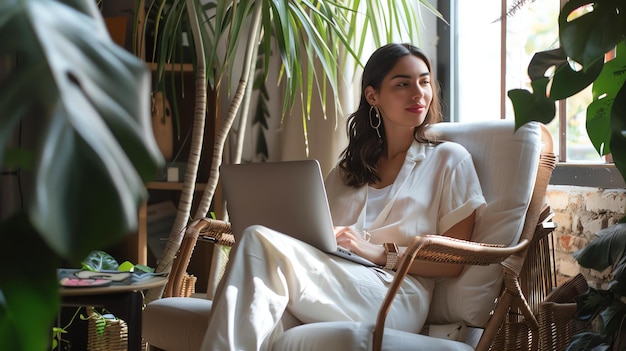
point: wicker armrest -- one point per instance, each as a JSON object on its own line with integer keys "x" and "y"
{"x": 213, "y": 230}
{"x": 217, "y": 232}
{"x": 441, "y": 249}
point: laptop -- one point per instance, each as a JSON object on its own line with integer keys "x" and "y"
{"x": 287, "y": 196}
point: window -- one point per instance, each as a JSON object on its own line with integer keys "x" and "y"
{"x": 489, "y": 56}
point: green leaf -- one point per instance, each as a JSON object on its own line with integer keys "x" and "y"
{"x": 142, "y": 268}
{"x": 605, "y": 250}
{"x": 90, "y": 99}
{"x": 617, "y": 285}
{"x": 588, "y": 37}
{"x": 564, "y": 81}
{"x": 618, "y": 128}
{"x": 29, "y": 289}
{"x": 542, "y": 61}
{"x": 588, "y": 341}
{"x": 600, "y": 111}
{"x": 532, "y": 106}
{"x": 19, "y": 158}
{"x": 567, "y": 81}
{"x": 590, "y": 304}
{"x": 98, "y": 260}
{"x": 126, "y": 266}
{"x": 613, "y": 317}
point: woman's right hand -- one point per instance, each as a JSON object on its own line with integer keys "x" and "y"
{"x": 355, "y": 242}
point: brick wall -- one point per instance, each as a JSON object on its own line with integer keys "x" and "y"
{"x": 580, "y": 212}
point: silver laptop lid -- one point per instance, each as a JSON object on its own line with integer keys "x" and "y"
{"x": 287, "y": 196}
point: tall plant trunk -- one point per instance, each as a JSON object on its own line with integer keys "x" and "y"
{"x": 245, "y": 111}
{"x": 191, "y": 172}
{"x": 243, "y": 90}
{"x": 220, "y": 141}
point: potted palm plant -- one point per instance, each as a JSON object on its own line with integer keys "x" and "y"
{"x": 313, "y": 37}
{"x": 593, "y": 51}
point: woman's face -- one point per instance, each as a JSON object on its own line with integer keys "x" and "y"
{"x": 404, "y": 95}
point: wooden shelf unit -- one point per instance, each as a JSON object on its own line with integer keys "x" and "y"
{"x": 135, "y": 247}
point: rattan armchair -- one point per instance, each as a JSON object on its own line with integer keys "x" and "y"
{"x": 174, "y": 322}
{"x": 513, "y": 323}
{"x": 211, "y": 230}
{"x": 497, "y": 334}
{"x": 179, "y": 323}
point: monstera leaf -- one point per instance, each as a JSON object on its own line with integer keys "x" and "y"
{"x": 589, "y": 29}
{"x": 90, "y": 101}
{"x": 589, "y": 33}
{"x": 607, "y": 249}
{"x": 87, "y": 100}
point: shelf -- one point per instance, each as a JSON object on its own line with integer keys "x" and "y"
{"x": 176, "y": 67}
{"x": 172, "y": 186}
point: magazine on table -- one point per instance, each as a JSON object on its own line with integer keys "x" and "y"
{"x": 86, "y": 278}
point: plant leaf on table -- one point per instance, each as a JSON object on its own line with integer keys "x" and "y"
{"x": 98, "y": 260}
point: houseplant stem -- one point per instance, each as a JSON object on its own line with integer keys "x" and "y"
{"x": 193, "y": 162}
{"x": 220, "y": 141}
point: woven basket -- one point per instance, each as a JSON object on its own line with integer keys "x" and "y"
{"x": 556, "y": 315}
{"x": 104, "y": 334}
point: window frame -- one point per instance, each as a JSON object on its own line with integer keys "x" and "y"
{"x": 599, "y": 175}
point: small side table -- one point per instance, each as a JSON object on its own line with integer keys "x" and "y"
{"x": 124, "y": 301}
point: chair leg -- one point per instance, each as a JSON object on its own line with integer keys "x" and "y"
{"x": 497, "y": 319}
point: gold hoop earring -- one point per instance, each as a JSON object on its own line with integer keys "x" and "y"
{"x": 377, "y": 115}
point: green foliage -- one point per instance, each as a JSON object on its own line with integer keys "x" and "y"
{"x": 98, "y": 260}
{"x": 588, "y": 30}
{"x": 261, "y": 112}
{"x": 587, "y": 341}
{"x": 313, "y": 39}
{"x": 560, "y": 73}
{"x": 608, "y": 249}
{"x": 57, "y": 337}
{"x": 57, "y": 333}
{"x": 29, "y": 297}
{"x": 87, "y": 100}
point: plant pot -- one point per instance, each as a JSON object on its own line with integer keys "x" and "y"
{"x": 162, "y": 125}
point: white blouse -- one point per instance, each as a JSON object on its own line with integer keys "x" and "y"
{"x": 376, "y": 200}
{"x": 436, "y": 188}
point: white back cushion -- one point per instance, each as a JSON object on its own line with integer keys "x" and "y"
{"x": 506, "y": 162}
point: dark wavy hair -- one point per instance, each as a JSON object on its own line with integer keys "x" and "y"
{"x": 359, "y": 159}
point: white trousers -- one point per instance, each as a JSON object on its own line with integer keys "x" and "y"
{"x": 270, "y": 273}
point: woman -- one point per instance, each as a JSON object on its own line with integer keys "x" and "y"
{"x": 390, "y": 185}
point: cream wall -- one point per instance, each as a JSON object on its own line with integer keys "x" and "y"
{"x": 326, "y": 135}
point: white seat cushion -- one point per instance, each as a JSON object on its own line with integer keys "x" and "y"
{"x": 176, "y": 323}
{"x": 325, "y": 336}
